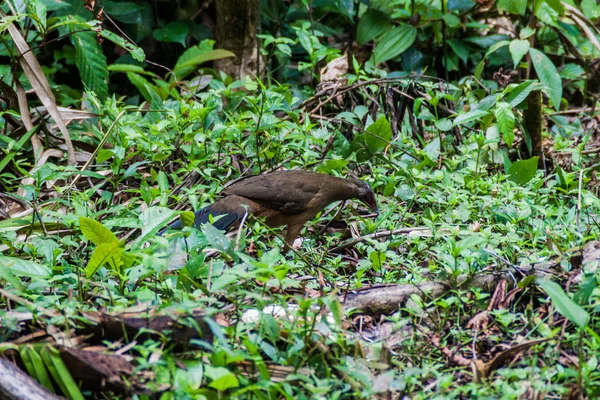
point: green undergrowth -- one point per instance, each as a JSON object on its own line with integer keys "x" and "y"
{"x": 472, "y": 215}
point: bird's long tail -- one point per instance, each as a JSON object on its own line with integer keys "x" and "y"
{"x": 222, "y": 220}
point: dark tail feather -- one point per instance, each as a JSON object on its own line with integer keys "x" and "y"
{"x": 223, "y": 220}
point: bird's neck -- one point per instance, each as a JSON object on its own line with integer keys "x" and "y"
{"x": 341, "y": 189}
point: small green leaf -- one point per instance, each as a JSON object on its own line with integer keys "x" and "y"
{"x": 372, "y": 24}
{"x": 506, "y": 121}
{"x": 516, "y": 94}
{"x": 523, "y": 171}
{"x": 378, "y": 135}
{"x": 564, "y": 305}
{"x": 548, "y": 75}
{"x": 394, "y": 43}
{"x": 470, "y": 116}
{"x": 95, "y": 232}
{"x": 518, "y": 48}
{"x": 517, "y": 7}
{"x": 187, "y": 218}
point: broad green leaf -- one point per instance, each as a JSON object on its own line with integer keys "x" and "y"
{"x": 590, "y": 9}
{"x": 90, "y": 62}
{"x": 394, "y": 43}
{"x": 548, "y": 75}
{"x": 564, "y": 305}
{"x": 517, "y": 7}
{"x": 378, "y": 135}
{"x": 95, "y": 232}
{"x": 193, "y": 57}
{"x": 506, "y": 122}
{"x": 471, "y": 242}
{"x": 372, "y": 24}
{"x": 516, "y": 94}
{"x": 20, "y": 267}
{"x": 153, "y": 219}
{"x": 104, "y": 253}
{"x": 174, "y": 32}
{"x": 572, "y": 71}
{"x": 331, "y": 165}
{"x": 451, "y": 20}
{"x": 523, "y": 171}
{"x": 221, "y": 378}
{"x": 216, "y": 238}
{"x": 443, "y": 124}
{"x": 518, "y": 48}
{"x": 470, "y": 116}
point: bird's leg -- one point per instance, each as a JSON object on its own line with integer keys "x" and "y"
{"x": 292, "y": 232}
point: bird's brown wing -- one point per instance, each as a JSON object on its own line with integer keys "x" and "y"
{"x": 288, "y": 191}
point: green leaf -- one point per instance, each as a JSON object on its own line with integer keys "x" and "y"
{"x": 506, "y": 122}
{"x": 372, "y": 24}
{"x": 146, "y": 88}
{"x": 394, "y": 43}
{"x": 136, "y": 52}
{"x": 516, "y": 94}
{"x": 130, "y": 68}
{"x": 194, "y": 56}
{"x": 470, "y": 116}
{"x": 517, "y": 7}
{"x": 95, "y": 232}
{"x": 37, "y": 11}
{"x": 153, "y": 219}
{"x": 35, "y": 366}
{"x": 60, "y": 373}
{"x": 20, "y": 267}
{"x": 378, "y": 135}
{"x": 104, "y": 253}
{"x": 549, "y": 11}
{"x": 187, "y": 218}
{"x": 443, "y": 124}
{"x": 451, "y": 20}
{"x": 518, "y": 48}
{"x": 216, "y": 238}
{"x": 174, "y": 32}
{"x": 222, "y": 378}
{"x": 91, "y": 62}
{"x": 471, "y": 242}
{"x": 548, "y": 75}
{"x": 331, "y": 165}
{"x": 523, "y": 171}
{"x": 564, "y": 305}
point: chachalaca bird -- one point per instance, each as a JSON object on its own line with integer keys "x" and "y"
{"x": 288, "y": 198}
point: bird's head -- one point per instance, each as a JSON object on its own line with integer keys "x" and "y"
{"x": 366, "y": 195}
